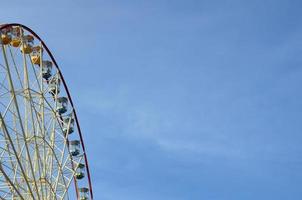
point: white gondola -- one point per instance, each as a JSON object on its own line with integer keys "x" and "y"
{"x": 54, "y": 85}
{"x": 68, "y": 125}
{"x": 62, "y": 103}
{"x": 74, "y": 147}
{"x": 46, "y": 69}
{"x": 84, "y": 193}
{"x": 80, "y": 172}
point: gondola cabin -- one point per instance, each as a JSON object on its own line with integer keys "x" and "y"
{"x": 74, "y": 147}
{"x": 46, "y": 69}
{"x": 6, "y": 36}
{"x": 68, "y": 125}
{"x": 36, "y": 55}
{"x": 16, "y": 36}
{"x": 80, "y": 172}
{"x": 27, "y": 45}
{"x": 62, "y": 103}
{"x": 84, "y": 193}
{"x": 54, "y": 85}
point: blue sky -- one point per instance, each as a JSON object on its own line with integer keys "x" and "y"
{"x": 181, "y": 100}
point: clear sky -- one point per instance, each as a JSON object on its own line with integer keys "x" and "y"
{"x": 181, "y": 100}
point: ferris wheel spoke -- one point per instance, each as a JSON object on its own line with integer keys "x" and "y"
{"x": 60, "y": 178}
{"x": 18, "y": 114}
{"x": 6, "y": 110}
{"x": 35, "y": 83}
{"x": 10, "y": 159}
{"x": 3, "y": 87}
{"x": 69, "y": 182}
{"x": 13, "y": 160}
{"x": 16, "y": 175}
{"x": 60, "y": 173}
{"x": 53, "y": 154}
{"x": 2, "y": 66}
{"x": 17, "y": 157}
{"x": 6, "y": 191}
{"x": 39, "y": 119}
{"x": 15, "y": 66}
{"x": 10, "y": 182}
{"x": 6, "y": 92}
{"x": 53, "y": 142}
{"x": 36, "y": 160}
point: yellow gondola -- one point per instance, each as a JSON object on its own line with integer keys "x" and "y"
{"x": 6, "y": 36}
{"x": 16, "y": 36}
{"x": 27, "y": 46}
{"x": 36, "y": 55}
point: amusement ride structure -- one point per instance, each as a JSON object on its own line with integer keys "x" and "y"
{"x": 42, "y": 152}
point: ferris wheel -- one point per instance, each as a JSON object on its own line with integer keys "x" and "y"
{"x": 42, "y": 153}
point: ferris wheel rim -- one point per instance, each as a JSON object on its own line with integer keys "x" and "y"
{"x": 3, "y": 26}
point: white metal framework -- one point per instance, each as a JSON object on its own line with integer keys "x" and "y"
{"x": 42, "y": 154}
